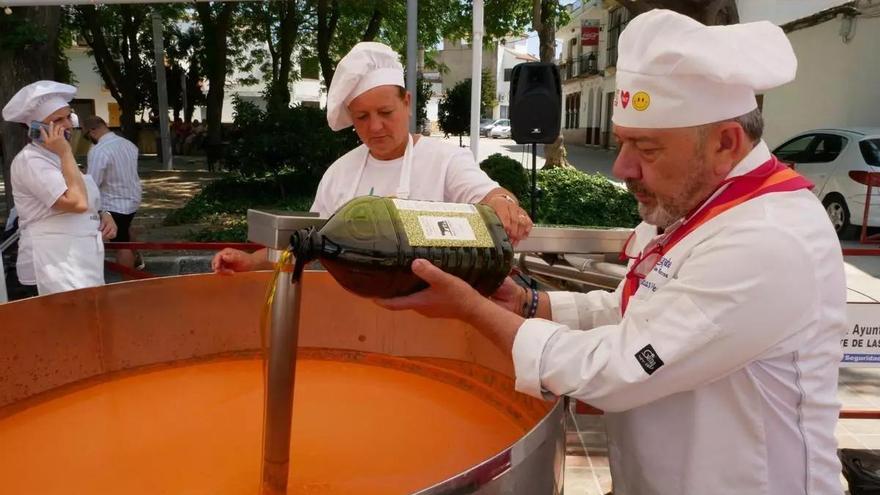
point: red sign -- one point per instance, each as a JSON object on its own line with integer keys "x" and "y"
{"x": 589, "y": 36}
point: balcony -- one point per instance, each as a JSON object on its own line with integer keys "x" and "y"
{"x": 577, "y": 67}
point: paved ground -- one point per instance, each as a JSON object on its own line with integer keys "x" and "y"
{"x": 587, "y": 159}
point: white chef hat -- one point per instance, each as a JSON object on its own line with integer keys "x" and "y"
{"x": 673, "y": 71}
{"x": 38, "y": 100}
{"x": 365, "y": 67}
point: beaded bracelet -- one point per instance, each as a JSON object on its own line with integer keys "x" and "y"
{"x": 533, "y": 307}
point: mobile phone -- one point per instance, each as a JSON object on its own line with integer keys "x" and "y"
{"x": 34, "y": 131}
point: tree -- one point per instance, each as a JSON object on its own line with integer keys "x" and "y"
{"x": 216, "y": 19}
{"x": 454, "y": 110}
{"x": 277, "y": 26}
{"x": 183, "y": 52}
{"x": 488, "y": 93}
{"x": 545, "y": 16}
{"x": 712, "y": 12}
{"x": 29, "y": 52}
{"x": 424, "y": 92}
{"x": 120, "y": 39}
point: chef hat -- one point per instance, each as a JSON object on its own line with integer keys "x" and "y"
{"x": 673, "y": 71}
{"x": 365, "y": 67}
{"x": 38, "y": 100}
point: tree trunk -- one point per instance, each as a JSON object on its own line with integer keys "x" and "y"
{"x": 288, "y": 32}
{"x": 328, "y": 16}
{"x": 21, "y": 66}
{"x": 544, "y": 23}
{"x": 555, "y": 155}
{"x": 215, "y": 27}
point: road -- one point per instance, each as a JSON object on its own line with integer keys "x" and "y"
{"x": 583, "y": 158}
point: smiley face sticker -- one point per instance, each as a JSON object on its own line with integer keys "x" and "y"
{"x": 641, "y": 101}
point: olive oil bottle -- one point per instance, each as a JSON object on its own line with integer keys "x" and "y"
{"x": 369, "y": 244}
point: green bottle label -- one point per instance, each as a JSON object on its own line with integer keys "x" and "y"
{"x": 427, "y": 223}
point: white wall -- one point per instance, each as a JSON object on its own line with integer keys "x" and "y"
{"x": 838, "y": 84}
{"x": 781, "y": 11}
{"x": 89, "y": 84}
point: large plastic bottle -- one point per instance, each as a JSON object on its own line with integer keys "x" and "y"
{"x": 369, "y": 244}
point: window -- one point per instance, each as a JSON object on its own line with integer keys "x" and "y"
{"x": 505, "y": 112}
{"x": 812, "y": 148}
{"x": 617, "y": 20}
{"x": 507, "y": 73}
{"x": 572, "y": 110}
{"x": 871, "y": 151}
{"x": 827, "y": 148}
{"x": 795, "y": 149}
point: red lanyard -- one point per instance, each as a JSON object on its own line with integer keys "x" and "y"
{"x": 770, "y": 177}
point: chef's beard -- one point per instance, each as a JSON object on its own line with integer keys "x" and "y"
{"x": 669, "y": 208}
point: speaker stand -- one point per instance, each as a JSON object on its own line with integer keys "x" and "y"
{"x": 534, "y": 195}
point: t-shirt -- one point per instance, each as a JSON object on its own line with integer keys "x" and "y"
{"x": 440, "y": 172}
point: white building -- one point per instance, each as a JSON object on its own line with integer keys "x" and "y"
{"x": 838, "y": 79}
{"x": 499, "y": 60}
{"x": 587, "y": 66}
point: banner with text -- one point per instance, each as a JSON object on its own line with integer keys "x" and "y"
{"x": 861, "y": 343}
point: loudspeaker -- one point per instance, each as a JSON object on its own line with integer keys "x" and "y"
{"x": 535, "y": 103}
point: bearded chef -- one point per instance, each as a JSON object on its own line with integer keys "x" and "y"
{"x": 61, "y": 246}
{"x": 716, "y": 358}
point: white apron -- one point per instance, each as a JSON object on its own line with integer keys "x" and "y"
{"x": 403, "y": 186}
{"x": 67, "y": 249}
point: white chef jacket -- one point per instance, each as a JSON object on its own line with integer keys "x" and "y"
{"x": 440, "y": 172}
{"x": 57, "y": 250}
{"x": 722, "y": 376}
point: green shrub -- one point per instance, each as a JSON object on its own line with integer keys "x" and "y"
{"x": 509, "y": 174}
{"x": 295, "y": 139}
{"x": 572, "y": 197}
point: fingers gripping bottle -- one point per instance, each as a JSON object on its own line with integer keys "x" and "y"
{"x": 369, "y": 244}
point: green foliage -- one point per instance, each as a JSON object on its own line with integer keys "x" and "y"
{"x": 17, "y": 32}
{"x": 509, "y": 174}
{"x": 454, "y": 110}
{"x": 572, "y": 197}
{"x": 224, "y": 203}
{"x": 488, "y": 93}
{"x": 293, "y": 140}
{"x": 424, "y": 93}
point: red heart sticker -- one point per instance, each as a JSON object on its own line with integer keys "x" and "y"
{"x": 624, "y": 98}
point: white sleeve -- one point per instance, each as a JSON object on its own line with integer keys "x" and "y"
{"x": 465, "y": 181}
{"x": 736, "y": 297}
{"x": 585, "y": 311}
{"x": 41, "y": 179}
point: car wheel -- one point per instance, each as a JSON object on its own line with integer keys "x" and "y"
{"x": 838, "y": 213}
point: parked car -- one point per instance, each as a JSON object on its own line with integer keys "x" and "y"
{"x": 838, "y": 161}
{"x": 501, "y": 129}
{"x": 485, "y": 126}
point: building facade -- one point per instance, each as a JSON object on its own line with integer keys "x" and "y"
{"x": 587, "y": 67}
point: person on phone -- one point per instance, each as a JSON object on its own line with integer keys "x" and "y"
{"x": 368, "y": 92}
{"x": 62, "y": 232}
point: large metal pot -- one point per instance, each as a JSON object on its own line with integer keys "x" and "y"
{"x": 51, "y": 346}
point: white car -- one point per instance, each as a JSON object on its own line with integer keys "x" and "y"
{"x": 501, "y": 129}
{"x": 837, "y": 161}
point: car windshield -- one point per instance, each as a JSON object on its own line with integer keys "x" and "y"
{"x": 871, "y": 151}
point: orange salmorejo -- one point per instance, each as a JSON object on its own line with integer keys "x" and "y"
{"x": 196, "y": 429}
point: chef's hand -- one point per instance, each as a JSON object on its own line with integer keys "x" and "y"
{"x": 446, "y": 296}
{"x": 108, "y": 226}
{"x": 55, "y": 140}
{"x": 515, "y": 220}
{"x": 229, "y": 261}
{"x": 511, "y": 296}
